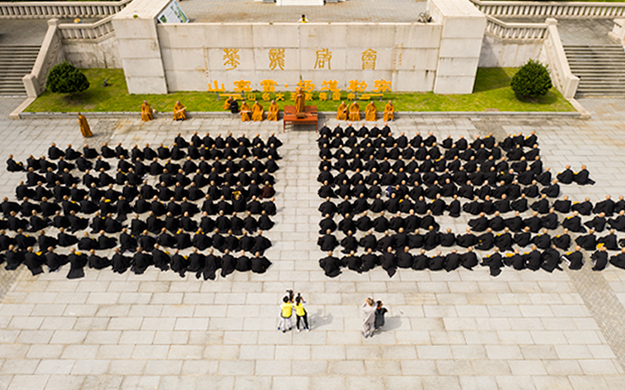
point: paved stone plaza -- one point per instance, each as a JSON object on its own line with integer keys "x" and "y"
{"x": 457, "y": 330}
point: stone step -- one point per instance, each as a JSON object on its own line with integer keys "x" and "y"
{"x": 600, "y": 68}
{"x": 15, "y": 63}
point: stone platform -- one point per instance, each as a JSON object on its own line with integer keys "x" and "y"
{"x": 457, "y": 330}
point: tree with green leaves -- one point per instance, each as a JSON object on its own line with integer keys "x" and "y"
{"x": 531, "y": 81}
{"x": 66, "y": 78}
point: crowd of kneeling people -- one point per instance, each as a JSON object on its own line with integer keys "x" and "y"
{"x": 212, "y": 196}
{"x": 382, "y": 196}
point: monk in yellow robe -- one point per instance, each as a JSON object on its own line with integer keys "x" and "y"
{"x": 227, "y": 103}
{"x": 257, "y": 112}
{"x": 341, "y": 113}
{"x": 299, "y": 101}
{"x": 354, "y": 112}
{"x": 389, "y": 112}
{"x": 371, "y": 112}
{"x": 84, "y": 126}
{"x": 272, "y": 115}
{"x": 180, "y": 113}
{"x": 146, "y": 112}
{"x": 246, "y": 112}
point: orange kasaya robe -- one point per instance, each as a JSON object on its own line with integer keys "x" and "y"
{"x": 179, "y": 112}
{"x": 389, "y": 112}
{"x": 354, "y": 112}
{"x": 227, "y": 103}
{"x": 341, "y": 113}
{"x": 371, "y": 112}
{"x": 146, "y": 112}
{"x": 245, "y": 112}
{"x": 84, "y": 126}
{"x": 300, "y": 101}
{"x": 257, "y": 112}
{"x": 272, "y": 115}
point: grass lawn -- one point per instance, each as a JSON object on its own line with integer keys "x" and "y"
{"x": 491, "y": 93}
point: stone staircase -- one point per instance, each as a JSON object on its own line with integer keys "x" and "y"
{"x": 16, "y": 61}
{"x": 600, "y": 68}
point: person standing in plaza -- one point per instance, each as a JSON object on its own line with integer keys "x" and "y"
{"x": 379, "y": 315}
{"x": 84, "y": 126}
{"x": 368, "y": 317}
{"x": 286, "y": 311}
{"x": 301, "y": 313}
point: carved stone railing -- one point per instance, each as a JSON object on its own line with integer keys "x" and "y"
{"x": 96, "y": 30}
{"x": 550, "y": 9}
{"x": 49, "y": 55}
{"x": 516, "y": 31}
{"x": 559, "y": 69}
{"x": 60, "y": 9}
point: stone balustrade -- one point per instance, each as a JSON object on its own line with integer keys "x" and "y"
{"x": 96, "y": 30}
{"x": 539, "y": 9}
{"x": 520, "y": 31}
{"x": 60, "y": 9}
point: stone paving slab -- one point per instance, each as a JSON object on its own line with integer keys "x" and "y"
{"x": 458, "y": 330}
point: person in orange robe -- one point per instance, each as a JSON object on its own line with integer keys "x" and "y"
{"x": 227, "y": 103}
{"x": 180, "y": 113}
{"x": 246, "y": 112}
{"x": 299, "y": 101}
{"x": 84, "y": 126}
{"x": 354, "y": 112}
{"x": 272, "y": 115}
{"x": 146, "y": 112}
{"x": 389, "y": 112}
{"x": 257, "y": 112}
{"x": 371, "y": 112}
{"x": 341, "y": 112}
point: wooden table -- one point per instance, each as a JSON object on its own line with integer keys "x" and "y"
{"x": 310, "y": 117}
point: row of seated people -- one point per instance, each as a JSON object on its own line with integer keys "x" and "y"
{"x": 511, "y": 141}
{"x": 549, "y": 260}
{"x": 431, "y": 239}
{"x": 46, "y": 209}
{"x": 144, "y": 190}
{"x": 202, "y": 265}
{"x": 217, "y": 150}
{"x": 128, "y": 241}
{"x": 205, "y": 172}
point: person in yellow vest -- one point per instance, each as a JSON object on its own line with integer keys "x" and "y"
{"x": 180, "y": 113}
{"x": 246, "y": 112}
{"x": 341, "y": 112}
{"x": 227, "y": 103}
{"x": 272, "y": 115}
{"x": 257, "y": 112}
{"x": 146, "y": 112}
{"x": 301, "y": 313}
{"x": 354, "y": 112}
{"x": 371, "y": 112}
{"x": 286, "y": 311}
{"x": 84, "y": 126}
{"x": 389, "y": 112}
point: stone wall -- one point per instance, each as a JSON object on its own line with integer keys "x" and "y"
{"x": 508, "y": 53}
{"x": 196, "y": 54}
{"x": 92, "y": 53}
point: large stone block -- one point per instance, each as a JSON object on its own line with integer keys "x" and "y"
{"x": 230, "y": 59}
{"x": 186, "y": 80}
{"x": 454, "y": 84}
{"x": 135, "y": 28}
{"x": 138, "y": 48}
{"x": 418, "y": 35}
{"x": 322, "y": 35}
{"x": 369, "y": 36}
{"x": 263, "y": 61}
{"x": 184, "y": 59}
{"x": 285, "y": 35}
{"x": 360, "y": 58}
{"x": 156, "y": 85}
{"x": 415, "y": 59}
{"x": 180, "y": 36}
{"x": 316, "y": 58}
{"x": 147, "y": 67}
{"x": 459, "y": 27}
{"x": 453, "y": 66}
{"x": 460, "y": 47}
{"x": 418, "y": 81}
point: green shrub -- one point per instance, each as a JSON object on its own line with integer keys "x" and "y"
{"x": 66, "y": 78}
{"x": 531, "y": 81}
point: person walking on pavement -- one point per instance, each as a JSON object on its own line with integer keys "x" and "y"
{"x": 286, "y": 311}
{"x": 301, "y": 313}
{"x": 379, "y": 315}
{"x": 368, "y": 317}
